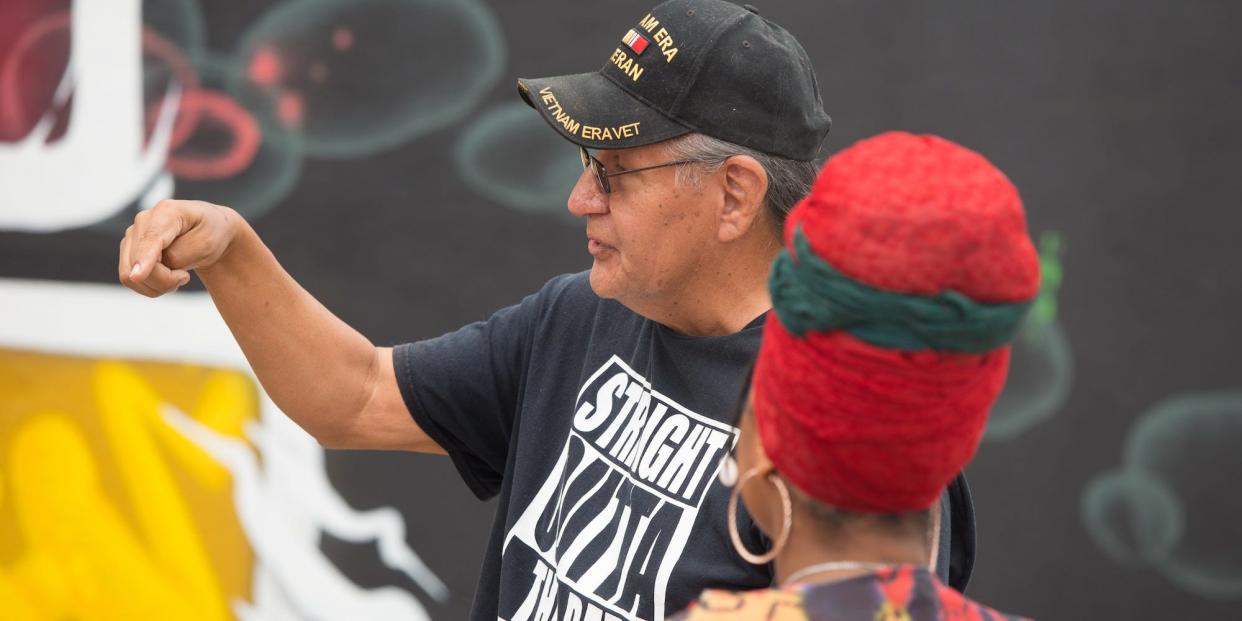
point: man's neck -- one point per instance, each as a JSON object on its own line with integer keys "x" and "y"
{"x": 722, "y": 297}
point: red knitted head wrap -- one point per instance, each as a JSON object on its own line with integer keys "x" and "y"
{"x": 874, "y": 428}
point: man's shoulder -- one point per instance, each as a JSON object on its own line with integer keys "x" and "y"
{"x": 575, "y": 285}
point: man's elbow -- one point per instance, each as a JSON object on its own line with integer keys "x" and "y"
{"x": 333, "y": 439}
{"x": 368, "y": 432}
{"x": 346, "y": 441}
{"x": 329, "y": 436}
{"x": 357, "y": 426}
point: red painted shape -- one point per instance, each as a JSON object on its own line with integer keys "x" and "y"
{"x": 291, "y": 109}
{"x": 266, "y": 68}
{"x": 28, "y": 78}
{"x": 17, "y": 18}
{"x": 218, "y": 109}
{"x": 342, "y": 38}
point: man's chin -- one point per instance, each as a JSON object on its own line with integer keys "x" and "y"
{"x": 603, "y": 283}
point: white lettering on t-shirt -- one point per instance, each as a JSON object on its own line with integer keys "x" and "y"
{"x": 606, "y": 527}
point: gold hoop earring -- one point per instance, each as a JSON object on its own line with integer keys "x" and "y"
{"x": 787, "y": 525}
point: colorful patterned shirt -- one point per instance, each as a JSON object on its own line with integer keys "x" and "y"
{"x": 899, "y": 593}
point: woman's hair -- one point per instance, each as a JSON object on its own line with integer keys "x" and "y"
{"x": 833, "y": 516}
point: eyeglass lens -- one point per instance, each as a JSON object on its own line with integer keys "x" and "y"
{"x": 597, "y": 168}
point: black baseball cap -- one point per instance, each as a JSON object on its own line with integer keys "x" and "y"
{"x": 704, "y": 66}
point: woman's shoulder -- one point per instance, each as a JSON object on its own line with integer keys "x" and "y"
{"x": 767, "y": 604}
{"x": 906, "y": 592}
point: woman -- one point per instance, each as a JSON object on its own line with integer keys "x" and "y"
{"x": 907, "y": 271}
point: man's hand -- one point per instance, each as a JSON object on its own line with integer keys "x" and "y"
{"x": 167, "y": 241}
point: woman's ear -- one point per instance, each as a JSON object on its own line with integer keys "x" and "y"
{"x": 753, "y": 465}
{"x": 750, "y": 454}
{"x": 745, "y": 186}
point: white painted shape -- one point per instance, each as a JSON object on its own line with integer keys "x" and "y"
{"x": 319, "y": 591}
{"x": 99, "y": 166}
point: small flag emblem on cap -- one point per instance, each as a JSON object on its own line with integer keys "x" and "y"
{"x": 635, "y": 41}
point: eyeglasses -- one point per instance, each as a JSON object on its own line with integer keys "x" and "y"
{"x": 602, "y": 174}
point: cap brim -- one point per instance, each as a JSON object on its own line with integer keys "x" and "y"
{"x": 590, "y": 110}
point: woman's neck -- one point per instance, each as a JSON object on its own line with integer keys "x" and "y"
{"x": 812, "y": 544}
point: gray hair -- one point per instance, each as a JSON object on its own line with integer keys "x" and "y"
{"x": 788, "y": 180}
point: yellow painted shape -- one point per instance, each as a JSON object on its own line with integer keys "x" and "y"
{"x": 222, "y": 405}
{"x": 44, "y": 584}
{"x": 14, "y": 602}
{"x": 106, "y": 512}
{"x": 127, "y": 405}
{"x": 100, "y": 568}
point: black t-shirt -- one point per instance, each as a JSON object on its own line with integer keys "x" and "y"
{"x": 602, "y": 433}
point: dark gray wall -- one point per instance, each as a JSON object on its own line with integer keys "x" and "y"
{"x": 1119, "y": 123}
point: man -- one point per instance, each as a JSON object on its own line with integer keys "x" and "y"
{"x": 592, "y": 409}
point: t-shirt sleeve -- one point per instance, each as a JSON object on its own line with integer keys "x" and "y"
{"x": 462, "y": 390}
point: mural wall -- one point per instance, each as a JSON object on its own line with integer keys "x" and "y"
{"x": 379, "y": 149}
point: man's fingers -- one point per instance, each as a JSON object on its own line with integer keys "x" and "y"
{"x": 146, "y": 255}
{"x": 145, "y": 290}
{"x": 125, "y": 268}
{"x": 141, "y": 287}
{"x": 164, "y": 280}
{"x": 159, "y": 279}
{"x": 123, "y": 262}
{"x": 154, "y": 231}
{"x": 186, "y": 252}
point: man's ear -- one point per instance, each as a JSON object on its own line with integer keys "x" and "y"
{"x": 745, "y": 185}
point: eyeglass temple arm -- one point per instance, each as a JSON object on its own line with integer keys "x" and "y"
{"x": 634, "y": 170}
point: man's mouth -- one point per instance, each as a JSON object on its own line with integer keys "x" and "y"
{"x": 598, "y": 248}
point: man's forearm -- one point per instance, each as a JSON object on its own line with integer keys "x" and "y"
{"x": 315, "y": 367}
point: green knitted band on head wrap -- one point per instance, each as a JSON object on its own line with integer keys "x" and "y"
{"x": 808, "y": 294}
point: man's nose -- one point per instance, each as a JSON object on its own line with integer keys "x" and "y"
{"x": 586, "y": 199}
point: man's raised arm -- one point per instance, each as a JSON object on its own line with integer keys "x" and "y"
{"x": 322, "y": 373}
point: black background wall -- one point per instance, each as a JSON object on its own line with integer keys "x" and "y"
{"x": 1118, "y": 121}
